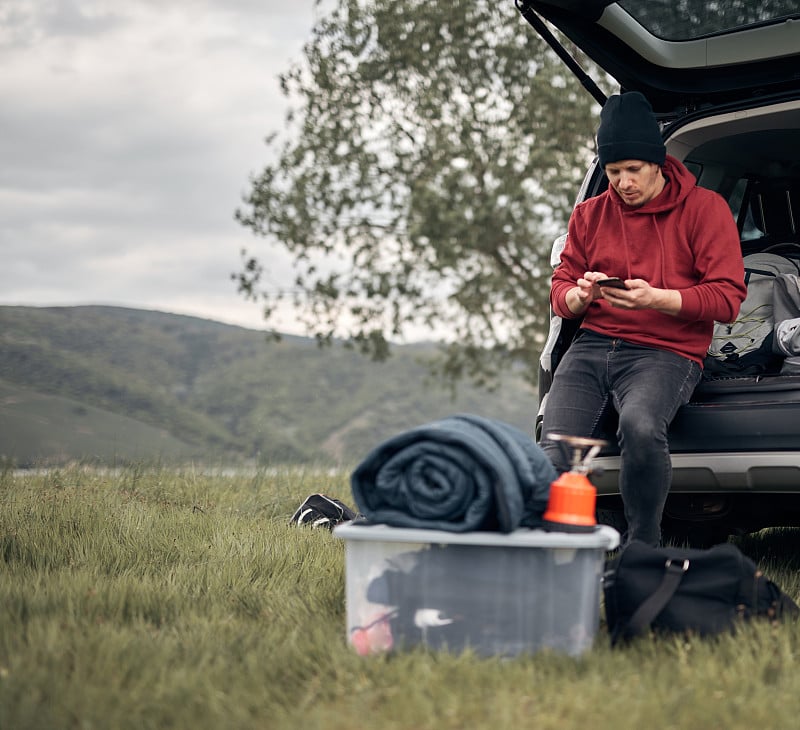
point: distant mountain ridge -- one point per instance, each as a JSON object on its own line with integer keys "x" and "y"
{"x": 113, "y": 384}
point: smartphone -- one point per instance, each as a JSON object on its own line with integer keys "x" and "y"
{"x": 615, "y": 282}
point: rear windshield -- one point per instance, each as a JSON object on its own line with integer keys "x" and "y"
{"x": 683, "y": 20}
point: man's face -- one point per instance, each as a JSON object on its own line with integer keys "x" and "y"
{"x": 635, "y": 181}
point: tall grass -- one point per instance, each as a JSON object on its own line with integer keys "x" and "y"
{"x": 163, "y": 599}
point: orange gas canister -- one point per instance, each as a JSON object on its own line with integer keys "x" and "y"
{"x": 571, "y": 505}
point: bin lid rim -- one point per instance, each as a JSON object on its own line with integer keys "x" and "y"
{"x": 603, "y": 536}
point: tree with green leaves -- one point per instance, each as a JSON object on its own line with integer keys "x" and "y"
{"x": 434, "y": 156}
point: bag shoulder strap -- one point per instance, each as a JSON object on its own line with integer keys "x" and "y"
{"x": 648, "y": 610}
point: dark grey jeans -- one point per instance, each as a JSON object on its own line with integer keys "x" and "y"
{"x": 646, "y": 386}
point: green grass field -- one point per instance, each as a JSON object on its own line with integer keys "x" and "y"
{"x": 176, "y": 599}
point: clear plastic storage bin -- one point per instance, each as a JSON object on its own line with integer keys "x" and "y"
{"x": 495, "y": 593}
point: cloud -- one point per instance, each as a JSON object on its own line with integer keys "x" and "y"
{"x": 128, "y": 133}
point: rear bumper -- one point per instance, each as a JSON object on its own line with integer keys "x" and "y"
{"x": 775, "y": 471}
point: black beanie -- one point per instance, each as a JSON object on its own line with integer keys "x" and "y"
{"x": 629, "y": 131}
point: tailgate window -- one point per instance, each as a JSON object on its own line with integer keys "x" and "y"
{"x": 688, "y": 19}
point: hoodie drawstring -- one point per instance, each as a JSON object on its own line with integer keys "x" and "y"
{"x": 662, "y": 252}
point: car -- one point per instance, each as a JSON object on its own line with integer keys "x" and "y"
{"x": 723, "y": 79}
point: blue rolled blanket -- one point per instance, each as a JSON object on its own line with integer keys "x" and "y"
{"x": 460, "y": 473}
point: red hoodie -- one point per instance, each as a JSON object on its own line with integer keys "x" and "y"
{"x": 684, "y": 239}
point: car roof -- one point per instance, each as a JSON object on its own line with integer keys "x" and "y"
{"x": 685, "y": 54}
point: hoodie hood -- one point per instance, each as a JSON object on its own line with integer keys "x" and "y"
{"x": 680, "y": 182}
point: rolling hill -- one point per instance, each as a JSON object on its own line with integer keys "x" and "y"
{"x": 114, "y": 385}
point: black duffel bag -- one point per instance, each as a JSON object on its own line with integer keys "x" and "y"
{"x": 702, "y": 592}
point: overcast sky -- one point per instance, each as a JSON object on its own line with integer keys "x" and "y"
{"x": 128, "y": 133}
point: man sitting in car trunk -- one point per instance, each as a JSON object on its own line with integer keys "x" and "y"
{"x": 640, "y": 348}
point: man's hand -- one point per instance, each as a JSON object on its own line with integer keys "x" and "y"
{"x": 586, "y": 291}
{"x": 640, "y": 295}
